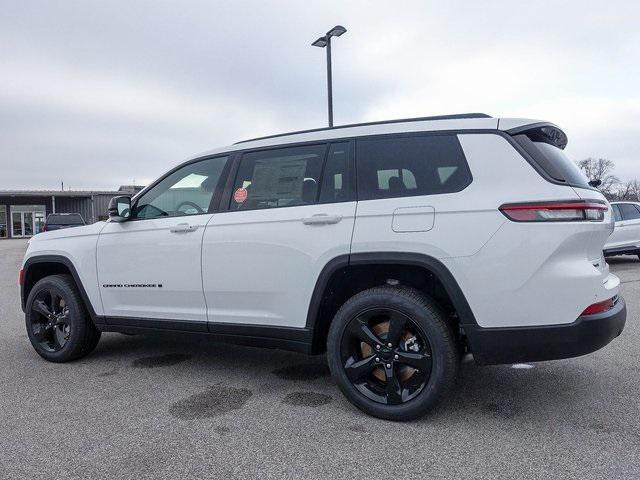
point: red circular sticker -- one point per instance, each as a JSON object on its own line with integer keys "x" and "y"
{"x": 240, "y": 195}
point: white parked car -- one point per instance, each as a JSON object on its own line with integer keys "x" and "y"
{"x": 393, "y": 246}
{"x": 625, "y": 239}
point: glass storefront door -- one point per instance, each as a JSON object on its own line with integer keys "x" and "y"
{"x": 4, "y": 227}
{"x": 26, "y": 220}
{"x": 38, "y": 222}
{"x": 16, "y": 224}
{"x": 27, "y": 223}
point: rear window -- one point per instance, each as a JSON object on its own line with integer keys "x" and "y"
{"x": 54, "y": 219}
{"x": 550, "y": 158}
{"x": 390, "y": 167}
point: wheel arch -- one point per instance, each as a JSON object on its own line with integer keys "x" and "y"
{"x": 40, "y": 266}
{"x": 337, "y": 273}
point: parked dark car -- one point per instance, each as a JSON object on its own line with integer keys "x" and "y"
{"x": 56, "y": 221}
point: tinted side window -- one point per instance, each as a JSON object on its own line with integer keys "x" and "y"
{"x": 409, "y": 166}
{"x": 335, "y": 180}
{"x": 552, "y": 160}
{"x": 616, "y": 213}
{"x": 187, "y": 191}
{"x": 629, "y": 211}
{"x": 283, "y": 177}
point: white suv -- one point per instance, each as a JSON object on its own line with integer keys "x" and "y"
{"x": 625, "y": 239}
{"x": 394, "y": 246}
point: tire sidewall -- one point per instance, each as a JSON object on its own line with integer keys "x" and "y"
{"x": 438, "y": 338}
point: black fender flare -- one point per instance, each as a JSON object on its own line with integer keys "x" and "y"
{"x": 68, "y": 264}
{"x": 433, "y": 265}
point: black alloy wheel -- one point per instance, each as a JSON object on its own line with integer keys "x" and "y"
{"x": 49, "y": 318}
{"x": 393, "y": 352}
{"x": 58, "y": 324}
{"x": 386, "y": 356}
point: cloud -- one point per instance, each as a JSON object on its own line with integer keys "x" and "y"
{"x": 98, "y": 93}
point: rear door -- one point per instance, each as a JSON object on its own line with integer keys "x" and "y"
{"x": 290, "y": 213}
{"x": 408, "y": 197}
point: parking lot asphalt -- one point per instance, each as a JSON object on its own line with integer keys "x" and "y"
{"x": 183, "y": 407}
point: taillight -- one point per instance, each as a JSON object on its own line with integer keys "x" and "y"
{"x": 565, "y": 211}
{"x": 20, "y": 277}
{"x": 599, "y": 307}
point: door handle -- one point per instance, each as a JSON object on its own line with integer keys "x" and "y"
{"x": 183, "y": 228}
{"x": 321, "y": 219}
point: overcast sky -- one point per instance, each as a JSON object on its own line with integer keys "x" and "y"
{"x": 100, "y": 93}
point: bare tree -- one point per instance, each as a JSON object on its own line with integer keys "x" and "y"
{"x": 601, "y": 169}
{"x": 629, "y": 191}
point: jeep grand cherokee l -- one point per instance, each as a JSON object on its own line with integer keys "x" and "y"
{"x": 393, "y": 246}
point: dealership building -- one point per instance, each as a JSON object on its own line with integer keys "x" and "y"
{"x": 23, "y": 213}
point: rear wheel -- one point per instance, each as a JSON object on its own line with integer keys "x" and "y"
{"x": 392, "y": 352}
{"x": 57, "y": 322}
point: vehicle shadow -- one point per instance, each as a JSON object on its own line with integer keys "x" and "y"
{"x": 499, "y": 393}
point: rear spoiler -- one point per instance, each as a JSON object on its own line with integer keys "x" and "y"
{"x": 542, "y": 132}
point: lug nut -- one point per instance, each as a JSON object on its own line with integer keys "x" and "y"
{"x": 377, "y": 347}
{"x": 377, "y": 359}
{"x": 388, "y": 365}
{"x": 389, "y": 345}
{"x": 396, "y": 357}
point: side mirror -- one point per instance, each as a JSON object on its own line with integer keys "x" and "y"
{"x": 120, "y": 209}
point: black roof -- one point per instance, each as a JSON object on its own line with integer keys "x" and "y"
{"x": 457, "y": 116}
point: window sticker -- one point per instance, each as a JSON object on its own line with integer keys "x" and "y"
{"x": 240, "y": 195}
{"x": 282, "y": 179}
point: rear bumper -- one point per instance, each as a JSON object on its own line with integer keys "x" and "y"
{"x": 549, "y": 342}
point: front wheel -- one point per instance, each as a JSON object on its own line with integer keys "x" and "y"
{"x": 57, "y": 322}
{"x": 392, "y": 353}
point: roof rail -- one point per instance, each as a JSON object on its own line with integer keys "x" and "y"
{"x": 457, "y": 116}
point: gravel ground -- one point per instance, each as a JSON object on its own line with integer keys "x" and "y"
{"x": 181, "y": 407}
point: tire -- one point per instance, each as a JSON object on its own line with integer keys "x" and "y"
{"x": 432, "y": 338}
{"x": 62, "y": 333}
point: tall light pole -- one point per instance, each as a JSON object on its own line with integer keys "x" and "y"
{"x": 322, "y": 42}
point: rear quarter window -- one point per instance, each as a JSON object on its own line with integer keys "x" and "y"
{"x": 552, "y": 160}
{"x": 389, "y": 167}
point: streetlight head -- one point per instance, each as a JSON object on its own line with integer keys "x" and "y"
{"x": 321, "y": 42}
{"x": 336, "y": 31}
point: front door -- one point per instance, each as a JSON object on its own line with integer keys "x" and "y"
{"x": 149, "y": 268}
{"x": 288, "y": 217}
